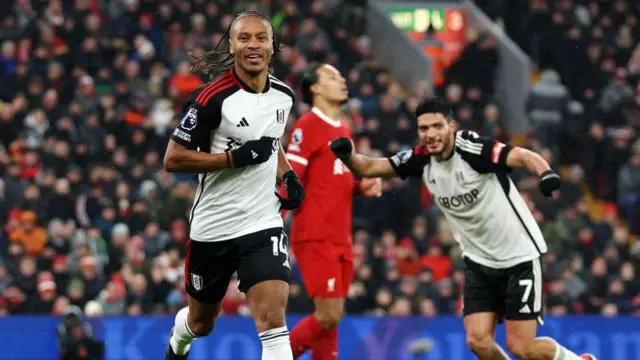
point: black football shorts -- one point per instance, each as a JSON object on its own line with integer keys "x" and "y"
{"x": 513, "y": 293}
{"x": 257, "y": 257}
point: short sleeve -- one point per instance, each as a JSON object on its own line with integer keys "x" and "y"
{"x": 302, "y": 144}
{"x": 410, "y": 163}
{"x": 485, "y": 155}
{"x": 196, "y": 124}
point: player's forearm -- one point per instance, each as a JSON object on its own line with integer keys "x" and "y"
{"x": 527, "y": 159}
{"x": 190, "y": 161}
{"x": 283, "y": 165}
{"x": 361, "y": 165}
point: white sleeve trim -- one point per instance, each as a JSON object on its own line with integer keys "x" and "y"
{"x": 297, "y": 158}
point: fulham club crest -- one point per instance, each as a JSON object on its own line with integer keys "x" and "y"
{"x": 196, "y": 281}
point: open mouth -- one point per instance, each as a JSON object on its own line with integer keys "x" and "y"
{"x": 254, "y": 59}
{"x": 433, "y": 146}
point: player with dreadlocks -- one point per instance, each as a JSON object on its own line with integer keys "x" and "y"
{"x": 228, "y": 133}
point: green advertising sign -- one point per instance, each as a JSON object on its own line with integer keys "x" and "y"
{"x": 418, "y": 19}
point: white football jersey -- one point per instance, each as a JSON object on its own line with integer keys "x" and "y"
{"x": 221, "y": 116}
{"x": 487, "y": 215}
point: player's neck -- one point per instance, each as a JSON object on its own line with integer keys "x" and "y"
{"x": 256, "y": 82}
{"x": 331, "y": 110}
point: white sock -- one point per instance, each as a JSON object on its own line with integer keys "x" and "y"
{"x": 182, "y": 336}
{"x": 275, "y": 344}
{"x": 562, "y": 353}
{"x": 501, "y": 350}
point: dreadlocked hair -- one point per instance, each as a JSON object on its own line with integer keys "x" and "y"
{"x": 220, "y": 60}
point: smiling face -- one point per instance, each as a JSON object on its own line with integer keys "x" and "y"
{"x": 435, "y": 132}
{"x": 251, "y": 43}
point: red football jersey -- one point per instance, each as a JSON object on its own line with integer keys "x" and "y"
{"x": 325, "y": 214}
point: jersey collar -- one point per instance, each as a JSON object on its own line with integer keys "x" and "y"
{"x": 248, "y": 88}
{"x": 325, "y": 118}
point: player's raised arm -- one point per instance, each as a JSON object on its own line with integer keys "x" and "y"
{"x": 488, "y": 155}
{"x": 522, "y": 158}
{"x": 359, "y": 164}
{"x": 403, "y": 164}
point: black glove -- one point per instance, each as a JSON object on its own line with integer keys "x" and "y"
{"x": 549, "y": 182}
{"x": 342, "y": 147}
{"x": 253, "y": 152}
{"x": 294, "y": 189}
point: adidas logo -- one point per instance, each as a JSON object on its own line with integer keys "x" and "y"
{"x": 254, "y": 154}
{"x": 243, "y": 123}
{"x": 525, "y": 309}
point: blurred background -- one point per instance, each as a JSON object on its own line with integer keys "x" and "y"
{"x": 92, "y": 227}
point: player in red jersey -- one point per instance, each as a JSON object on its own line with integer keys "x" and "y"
{"x": 321, "y": 233}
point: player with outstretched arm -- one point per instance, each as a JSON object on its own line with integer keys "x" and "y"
{"x": 229, "y": 131}
{"x": 321, "y": 232}
{"x": 499, "y": 237}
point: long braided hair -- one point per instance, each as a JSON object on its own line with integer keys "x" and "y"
{"x": 218, "y": 61}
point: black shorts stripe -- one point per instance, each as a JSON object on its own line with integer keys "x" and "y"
{"x": 503, "y": 178}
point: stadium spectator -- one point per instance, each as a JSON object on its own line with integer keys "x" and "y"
{"x": 546, "y": 108}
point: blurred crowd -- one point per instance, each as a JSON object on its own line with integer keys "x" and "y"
{"x": 90, "y": 92}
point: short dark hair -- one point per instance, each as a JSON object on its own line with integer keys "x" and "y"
{"x": 436, "y": 105}
{"x": 308, "y": 79}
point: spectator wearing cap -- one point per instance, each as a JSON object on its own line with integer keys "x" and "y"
{"x": 119, "y": 240}
{"x": 113, "y": 298}
{"x": 91, "y": 277}
{"x": 46, "y": 296}
{"x": 86, "y": 95}
{"x": 60, "y": 271}
{"x": 75, "y": 337}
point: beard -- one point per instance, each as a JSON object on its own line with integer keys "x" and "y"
{"x": 445, "y": 145}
